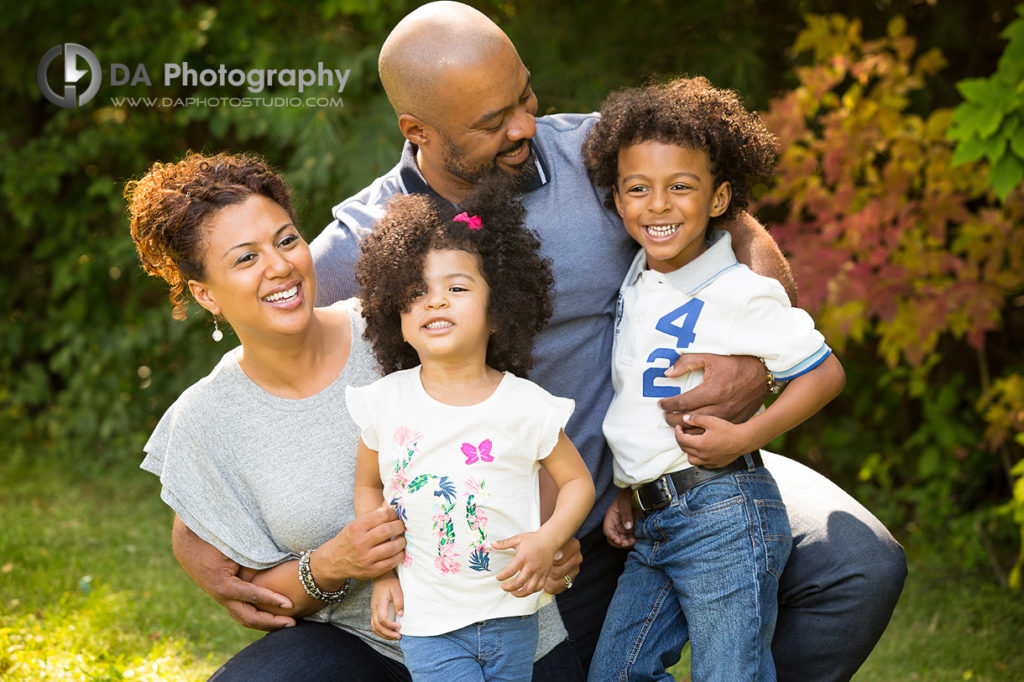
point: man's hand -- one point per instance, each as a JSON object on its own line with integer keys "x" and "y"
{"x": 734, "y": 388}
{"x": 566, "y": 562}
{"x": 226, "y": 581}
{"x": 618, "y": 521}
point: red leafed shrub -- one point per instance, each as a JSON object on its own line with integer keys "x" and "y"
{"x": 905, "y": 258}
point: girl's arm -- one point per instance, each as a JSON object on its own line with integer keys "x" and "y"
{"x": 387, "y": 601}
{"x": 803, "y": 397}
{"x": 568, "y": 558}
{"x": 368, "y": 490}
{"x": 535, "y": 551}
{"x": 368, "y": 547}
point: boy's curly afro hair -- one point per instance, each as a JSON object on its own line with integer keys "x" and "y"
{"x": 691, "y": 113}
{"x": 390, "y": 269}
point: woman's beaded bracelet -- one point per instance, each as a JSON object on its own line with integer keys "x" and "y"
{"x": 310, "y": 586}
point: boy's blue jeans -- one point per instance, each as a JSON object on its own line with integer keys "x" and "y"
{"x": 705, "y": 568}
{"x": 494, "y": 649}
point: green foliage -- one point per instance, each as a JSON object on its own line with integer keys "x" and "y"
{"x": 989, "y": 124}
{"x": 913, "y": 270}
{"x": 88, "y": 351}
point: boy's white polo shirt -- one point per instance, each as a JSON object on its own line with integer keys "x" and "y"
{"x": 711, "y": 305}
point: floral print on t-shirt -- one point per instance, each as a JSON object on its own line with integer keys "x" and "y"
{"x": 400, "y": 486}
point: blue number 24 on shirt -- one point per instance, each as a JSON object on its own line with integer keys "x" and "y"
{"x": 686, "y": 315}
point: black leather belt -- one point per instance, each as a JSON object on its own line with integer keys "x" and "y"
{"x": 658, "y": 493}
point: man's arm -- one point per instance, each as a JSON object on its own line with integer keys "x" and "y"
{"x": 734, "y": 386}
{"x": 227, "y": 582}
{"x": 368, "y": 546}
{"x": 756, "y": 249}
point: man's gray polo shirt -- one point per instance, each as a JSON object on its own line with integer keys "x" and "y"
{"x": 589, "y": 251}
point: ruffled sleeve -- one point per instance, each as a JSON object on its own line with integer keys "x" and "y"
{"x": 557, "y": 411}
{"x": 201, "y": 483}
{"x": 362, "y": 402}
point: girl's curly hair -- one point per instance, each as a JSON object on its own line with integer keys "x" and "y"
{"x": 691, "y": 113}
{"x": 390, "y": 270}
{"x": 172, "y": 203}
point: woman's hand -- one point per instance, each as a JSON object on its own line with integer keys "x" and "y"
{"x": 368, "y": 547}
{"x": 364, "y": 549}
{"x": 387, "y": 593}
{"x": 566, "y": 564}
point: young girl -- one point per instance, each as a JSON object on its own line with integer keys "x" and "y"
{"x": 711, "y": 540}
{"x": 453, "y": 439}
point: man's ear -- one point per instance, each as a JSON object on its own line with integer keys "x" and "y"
{"x": 203, "y": 297}
{"x": 415, "y": 130}
{"x": 720, "y": 202}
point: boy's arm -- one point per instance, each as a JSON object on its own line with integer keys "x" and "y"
{"x": 803, "y": 397}
{"x": 534, "y": 551}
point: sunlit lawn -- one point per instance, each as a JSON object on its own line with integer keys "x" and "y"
{"x": 89, "y": 590}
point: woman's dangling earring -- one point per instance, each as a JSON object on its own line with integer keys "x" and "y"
{"x": 217, "y": 334}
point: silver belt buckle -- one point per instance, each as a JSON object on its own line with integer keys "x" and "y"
{"x": 666, "y": 494}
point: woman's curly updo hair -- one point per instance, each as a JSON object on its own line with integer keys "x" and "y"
{"x": 691, "y": 113}
{"x": 171, "y": 205}
{"x": 390, "y": 270}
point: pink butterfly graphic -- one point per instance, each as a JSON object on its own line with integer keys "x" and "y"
{"x": 479, "y": 453}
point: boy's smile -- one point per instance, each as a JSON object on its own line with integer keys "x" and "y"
{"x": 666, "y": 195}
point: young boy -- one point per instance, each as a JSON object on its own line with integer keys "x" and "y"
{"x": 710, "y": 543}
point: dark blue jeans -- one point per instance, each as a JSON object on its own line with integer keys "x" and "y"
{"x": 836, "y": 594}
{"x": 705, "y": 568}
{"x": 317, "y": 652}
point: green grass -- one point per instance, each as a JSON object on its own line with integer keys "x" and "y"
{"x": 948, "y": 625}
{"x": 89, "y": 590}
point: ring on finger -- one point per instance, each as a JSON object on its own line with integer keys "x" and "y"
{"x": 568, "y": 581}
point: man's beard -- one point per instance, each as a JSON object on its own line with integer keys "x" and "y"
{"x": 521, "y": 178}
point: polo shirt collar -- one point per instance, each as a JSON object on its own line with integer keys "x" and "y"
{"x": 413, "y": 183}
{"x": 717, "y": 258}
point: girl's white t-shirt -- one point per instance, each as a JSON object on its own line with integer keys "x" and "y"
{"x": 460, "y": 477}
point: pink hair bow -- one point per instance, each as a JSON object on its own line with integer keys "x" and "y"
{"x": 473, "y": 222}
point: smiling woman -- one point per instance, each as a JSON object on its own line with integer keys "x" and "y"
{"x": 258, "y": 271}
{"x": 257, "y": 458}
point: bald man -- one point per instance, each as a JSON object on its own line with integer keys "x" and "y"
{"x": 467, "y": 110}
